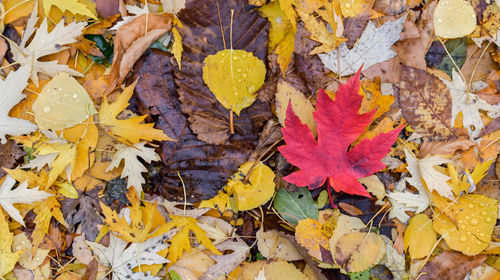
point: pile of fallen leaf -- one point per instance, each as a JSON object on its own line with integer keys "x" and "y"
{"x": 249, "y": 139}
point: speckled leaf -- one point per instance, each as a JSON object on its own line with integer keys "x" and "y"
{"x": 202, "y": 24}
{"x": 426, "y": 104}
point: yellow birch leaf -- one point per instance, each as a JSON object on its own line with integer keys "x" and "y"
{"x": 309, "y": 233}
{"x": 72, "y": 6}
{"x": 234, "y": 76}
{"x": 282, "y": 270}
{"x": 467, "y": 224}
{"x": 8, "y": 259}
{"x": 181, "y": 241}
{"x": 145, "y": 220}
{"x": 300, "y": 104}
{"x": 419, "y": 237}
{"x": 281, "y": 34}
{"x": 67, "y": 156}
{"x": 454, "y": 19}
{"x": 177, "y": 46}
{"x": 44, "y": 211}
{"x": 62, "y": 103}
{"x": 319, "y": 33}
{"x": 131, "y": 129}
{"x": 252, "y": 194}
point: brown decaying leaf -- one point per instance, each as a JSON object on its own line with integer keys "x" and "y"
{"x": 353, "y": 28}
{"x": 130, "y": 42}
{"x": 91, "y": 271}
{"x": 3, "y": 48}
{"x": 309, "y": 67}
{"x": 389, "y": 71}
{"x": 202, "y": 36}
{"x": 9, "y": 155}
{"x": 409, "y": 48}
{"x": 390, "y": 7}
{"x": 450, "y": 265}
{"x": 478, "y": 63}
{"x": 87, "y": 213}
{"x": 204, "y": 168}
{"x": 444, "y": 148}
{"x": 350, "y": 209}
{"x": 107, "y": 8}
{"x": 426, "y": 104}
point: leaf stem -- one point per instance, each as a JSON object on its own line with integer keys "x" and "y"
{"x": 231, "y": 121}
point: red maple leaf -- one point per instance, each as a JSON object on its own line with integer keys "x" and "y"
{"x": 338, "y": 124}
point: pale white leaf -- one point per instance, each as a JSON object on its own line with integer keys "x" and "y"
{"x": 173, "y": 6}
{"x": 44, "y": 43}
{"x": 469, "y": 104}
{"x": 40, "y": 161}
{"x": 21, "y": 194}
{"x": 121, "y": 261}
{"x": 11, "y": 93}
{"x": 403, "y": 200}
{"x": 133, "y": 168}
{"x": 374, "y": 46}
{"x": 228, "y": 262}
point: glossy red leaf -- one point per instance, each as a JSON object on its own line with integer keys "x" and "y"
{"x": 330, "y": 157}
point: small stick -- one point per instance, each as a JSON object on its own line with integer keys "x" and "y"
{"x": 231, "y": 122}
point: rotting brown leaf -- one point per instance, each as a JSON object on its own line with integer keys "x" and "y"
{"x": 426, "y": 104}
{"x": 444, "y": 148}
{"x": 203, "y": 167}
{"x": 9, "y": 155}
{"x": 450, "y": 265}
{"x": 84, "y": 211}
{"x": 201, "y": 32}
{"x": 130, "y": 42}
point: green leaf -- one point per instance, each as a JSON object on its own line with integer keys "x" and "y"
{"x": 295, "y": 206}
{"x": 174, "y": 276}
{"x": 363, "y": 275}
{"x": 104, "y": 46}
{"x": 457, "y": 50}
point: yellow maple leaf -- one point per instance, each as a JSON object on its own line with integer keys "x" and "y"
{"x": 181, "y": 241}
{"x": 234, "y": 76}
{"x": 287, "y": 8}
{"x": 72, "y": 6}
{"x": 373, "y": 98}
{"x": 67, "y": 156}
{"x": 131, "y": 130}
{"x": 319, "y": 33}
{"x": 281, "y": 34}
{"x": 241, "y": 195}
{"x": 8, "y": 259}
{"x": 85, "y": 137}
{"x": 462, "y": 185}
{"x": 145, "y": 220}
{"x": 44, "y": 211}
{"x": 177, "y": 46}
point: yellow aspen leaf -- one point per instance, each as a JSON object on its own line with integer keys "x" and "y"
{"x": 234, "y": 76}
{"x": 309, "y": 233}
{"x": 419, "y": 237}
{"x": 85, "y": 136}
{"x": 373, "y": 98}
{"x": 67, "y": 156}
{"x": 181, "y": 241}
{"x": 245, "y": 195}
{"x": 62, "y": 103}
{"x": 131, "y": 129}
{"x": 358, "y": 251}
{"x": 282, "y": 270}
{"x": 44, "y": 211}
{"x": 467, "y": 224}
{"x": 301, "y": 106}
{"x": 8, "y": 258}
{"x": 289, "y": 11}
{"x": 274, "y": 246}
{"x": 72, "y": 6}
{"x": 319, "y": 33}
{"x": 445, "y": 18}
{"x": 281, "y": 34}
{"x": 177, "y": 46}
{"x": 144, "y": 220}
{"x": 353, "y": 8}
